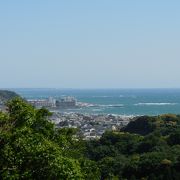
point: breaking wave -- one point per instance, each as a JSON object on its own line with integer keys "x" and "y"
{"x": 111, "y": 105}
{"x": 155, "y": 104}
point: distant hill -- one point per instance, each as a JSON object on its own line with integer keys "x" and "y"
{"x": 141, "y": 125}
{"x": 6, "y": 95}
{"x": 147, "y": 124}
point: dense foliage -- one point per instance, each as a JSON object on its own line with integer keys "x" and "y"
{"x": 31, "y": 147}
{"x": 147, "y": 148}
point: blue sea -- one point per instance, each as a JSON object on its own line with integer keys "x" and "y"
{"x": 115, "y": 101}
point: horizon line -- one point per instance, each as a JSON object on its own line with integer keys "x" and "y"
{"x": 89, "y": 88}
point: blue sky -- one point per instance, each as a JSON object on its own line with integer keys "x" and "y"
{"x": 90, "y": 44}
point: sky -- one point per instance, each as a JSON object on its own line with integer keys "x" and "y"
{"x": 90, "y": 44}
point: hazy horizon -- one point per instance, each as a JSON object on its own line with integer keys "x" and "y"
{"x": 90, "y": 44}
{"x": 108, "y": 88}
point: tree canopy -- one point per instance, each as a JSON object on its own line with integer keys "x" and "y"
{"x": 31, "y": 147}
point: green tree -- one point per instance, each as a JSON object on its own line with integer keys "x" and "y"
{"x": 29, "y": 149}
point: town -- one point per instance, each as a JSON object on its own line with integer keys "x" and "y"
{"x": 90, "y": 126}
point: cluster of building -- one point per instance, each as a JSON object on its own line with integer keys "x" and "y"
{"x": 63, "y": 103}
{"x": 90, "y": 126}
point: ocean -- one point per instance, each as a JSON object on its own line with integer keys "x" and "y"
{"x": 126, "y": 102}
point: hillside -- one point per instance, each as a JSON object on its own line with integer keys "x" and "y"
{"x": 147, "y": 124}
{"x": 6, "y": 95}
{"x": 147, "y": 148}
